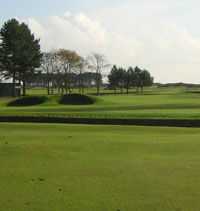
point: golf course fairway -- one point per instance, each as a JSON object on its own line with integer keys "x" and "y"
{"x": 90, "y": 167}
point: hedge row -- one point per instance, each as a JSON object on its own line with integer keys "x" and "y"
{"x": 139, "y": 122}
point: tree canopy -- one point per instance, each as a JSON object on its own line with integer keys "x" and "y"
{"x": 19, "y": 51}
{"x": 122, "y": 78}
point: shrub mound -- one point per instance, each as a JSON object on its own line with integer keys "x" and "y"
{"x": 28, "y": 101}
{"x": 77, "y": 99}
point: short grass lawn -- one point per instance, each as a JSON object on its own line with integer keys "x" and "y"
{"x": 86, "y": 167}
{"x": 157, "y": 104}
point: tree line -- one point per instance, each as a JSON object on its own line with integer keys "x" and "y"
{"x": 67, "y": 69}
{"x": 130, "y": 78}
{"x": 80, "y": 82}
{"x": 21, "y": 59}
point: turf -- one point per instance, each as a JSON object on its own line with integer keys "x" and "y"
{"x": 77, "y": 99}
{"x": 81, "y": 167}
{"x": 155, "y": 103}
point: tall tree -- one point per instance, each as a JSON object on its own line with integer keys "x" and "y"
{"x": 142, "y": 78}
{"x": 113, "y": 78}
{"x": 129, "y": 79}
{"x": 19, "y": 51}
{"x": 121, "y": 78}
{"x": 81, "y": 68}
{"x": 58, "y": 67}
{"x": 9, "y": 35}
{"x": 118, "y": 77}
{"x": 137, "y": 77}
{"x": 48, "y": 67}
{"x": 29, "y": 54}
{"x": 70, "y": 60}
{"x": 145, "y": 79}
{"x": 98, "y": 62}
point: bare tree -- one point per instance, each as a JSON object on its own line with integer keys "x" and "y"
{"x": 58, "y": 69}
{"x": 98, "y": 63}
{"x": 70, "y": 61}
{"x": 83, "y": 64}
{"x": 48, "y": 66}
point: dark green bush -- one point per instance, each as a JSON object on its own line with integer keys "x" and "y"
{"x": 28, "y": 101}
{"x": 77, "y": 99}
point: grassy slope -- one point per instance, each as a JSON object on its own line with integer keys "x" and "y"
{"x": 155, "y": 103}
{"x": 81, "y": 167}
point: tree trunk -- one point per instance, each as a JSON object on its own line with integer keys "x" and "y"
{"x": 58, "y": 82}
{"x": 48, "y": 91}
{"x": 70, "y": 90}
{"x": 127, "y": 90}
{"x": 97, "y": 82}
{"x": 79, "y": 83}
{"x": 20, "y": 86}
{"x": 52, "y": 89}
{"x": 24, "y": 88}
{"x": 65, "y": 87}
{"x": 13, "y": 85}
{"x": 97, "y": 87}
{"x": 58, "y": 88}
{"x": 82, "y": 84}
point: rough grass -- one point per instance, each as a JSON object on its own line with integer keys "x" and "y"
{"x": 82, "y": 167}
{"x": 77, "y": 99}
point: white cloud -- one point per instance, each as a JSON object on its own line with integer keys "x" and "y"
{"x": 78, "y": 32}
{"x": 164, "y": 47}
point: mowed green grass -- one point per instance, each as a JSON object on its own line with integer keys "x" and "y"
{"x": 155, "y": 103}
{"x": 85, "y": 167}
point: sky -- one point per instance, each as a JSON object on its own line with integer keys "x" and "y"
{"x": 162, "y": 36}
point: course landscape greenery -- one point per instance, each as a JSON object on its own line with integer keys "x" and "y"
{"x": 81, "y": 167}
{"x": 154, "y": 103}
{"x": 19, "y": 52}
{"x": 22, "y": 60}
{"x": 77, "y": 99}
{"x": 92, "y": 167}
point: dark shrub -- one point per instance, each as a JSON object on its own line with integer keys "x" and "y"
{"x": 77, "y": 99}
{"x": 28, "y": 101}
